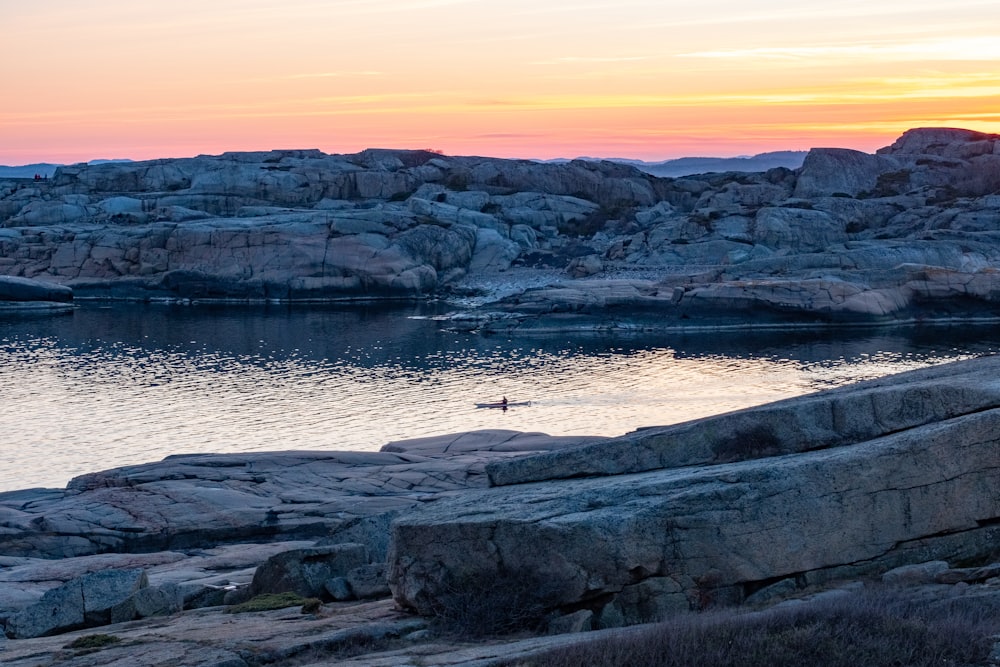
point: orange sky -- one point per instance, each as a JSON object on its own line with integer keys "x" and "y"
{"x": 630, "y": 78}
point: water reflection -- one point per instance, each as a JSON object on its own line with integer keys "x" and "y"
{"x": 117, "y": 385}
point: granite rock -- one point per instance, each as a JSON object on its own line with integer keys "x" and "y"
{"x": 91, "y": 600}
{"x": 835, "y": 485}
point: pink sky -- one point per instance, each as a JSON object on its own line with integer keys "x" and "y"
{"x": 627, "y": 78}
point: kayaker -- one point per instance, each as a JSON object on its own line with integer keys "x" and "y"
{"x": 504, "y": 402}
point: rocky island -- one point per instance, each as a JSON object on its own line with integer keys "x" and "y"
{"x": 179, "y": 562}
{"x": 905, "y": 235}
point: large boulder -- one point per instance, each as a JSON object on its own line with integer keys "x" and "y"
{"x": 840, "y": 171}
{"x": 946, "y": 142}
{"x": 92, "y": 600}
{"x": 306, "y": 571}
{"x": 880, "y": 494}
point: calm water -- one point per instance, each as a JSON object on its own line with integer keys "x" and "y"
{"x": 112, "y": 386}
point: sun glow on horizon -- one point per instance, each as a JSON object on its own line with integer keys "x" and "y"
{"x": 636, "y": 78}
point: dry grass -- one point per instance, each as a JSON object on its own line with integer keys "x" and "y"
{"x": 502, "y": 604}
{"x": 876, "y": 628}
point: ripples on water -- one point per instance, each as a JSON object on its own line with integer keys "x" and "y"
{"x": 113, "y": 386}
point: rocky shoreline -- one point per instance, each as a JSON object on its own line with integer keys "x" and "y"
{"x": 905, "y": 235}
{"x": 892, "y": 479}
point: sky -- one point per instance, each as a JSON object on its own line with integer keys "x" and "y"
{"x": 647, "y": 79}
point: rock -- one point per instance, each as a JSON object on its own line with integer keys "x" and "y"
{"x": 806, "y": 231}
{"x": 368, "y": 582}
{"x": 578, "y": 621}
{"x": 156, "y": 601}
{"x": 994, "y": 657}
{"x": 43, "y": 213}
{"x": 236, "y": 596}
{"x": 943, "y": 141}
{"x": 583, "y": 267}
{"x": 825, "y": 245}
{"x": 88, "y": 601}
{"x": 211, "y": 500}
{"x": 306, "y": 571}
{"x": 916, "y": 574}
{"x": 651, "y": 600}
{"x": 839, "y": 171}
{"x": 199, "y": 596}
{"x": 776, "y": 591}
{"x": 338, "y": 589}
{"x": 840, "y": 417}
{"x": 23, "y": 289}
{"x": 890, "y": 488}
{"x": 968, "y": 575}
{"x": 493, "y": 252}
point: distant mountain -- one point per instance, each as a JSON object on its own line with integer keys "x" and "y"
{"x": 687, "y": 166}
{"x": 40, "y": 168}
{"x": 684, "y": 166}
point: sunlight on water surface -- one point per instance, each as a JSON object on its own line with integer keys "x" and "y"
{"x": 113, "y": 386}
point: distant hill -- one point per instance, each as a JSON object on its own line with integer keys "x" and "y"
{"x": 29, "y": 170}
{"x": 686, "y": 166}
{"x": 40, "y": 168}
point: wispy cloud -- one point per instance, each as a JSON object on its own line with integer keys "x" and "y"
{"x": 590, "y": 59}
{"x": 970, "y": 13}
{"x": 969, "y": 49}
{"x": 332, "y": 75}
{"x": 508, "y": 135}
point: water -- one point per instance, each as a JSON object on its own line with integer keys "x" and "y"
{"x": 124, "y": 384}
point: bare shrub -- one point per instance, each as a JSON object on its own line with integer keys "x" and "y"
{"x": 873, "y": 628}
{"x": 485, "y": 606}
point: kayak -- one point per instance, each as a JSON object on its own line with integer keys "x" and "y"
{"x": 502, "y": 405}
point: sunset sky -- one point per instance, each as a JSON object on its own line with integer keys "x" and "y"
{"x": 648, "y": 79}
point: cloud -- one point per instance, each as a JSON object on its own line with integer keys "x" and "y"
{"x": 968, "y": 48}
{"x": 327, "y": 75}
{"x": 508, "y": 135}
{"x": 590, "y": 59}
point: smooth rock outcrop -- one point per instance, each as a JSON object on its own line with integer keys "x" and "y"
{"x": 91, "y": 600}
{"x": 202, "y": 525}
{"x": 212, "y": 499}
{"x": 839, "y": 417}
{"x": 835, "y": 485}
{"x": 17, "y": 289}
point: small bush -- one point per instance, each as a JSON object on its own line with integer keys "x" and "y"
{"x": 270, "y": 601}
{"x": 877, "y": 627}
{"x": 92, "y": 642}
